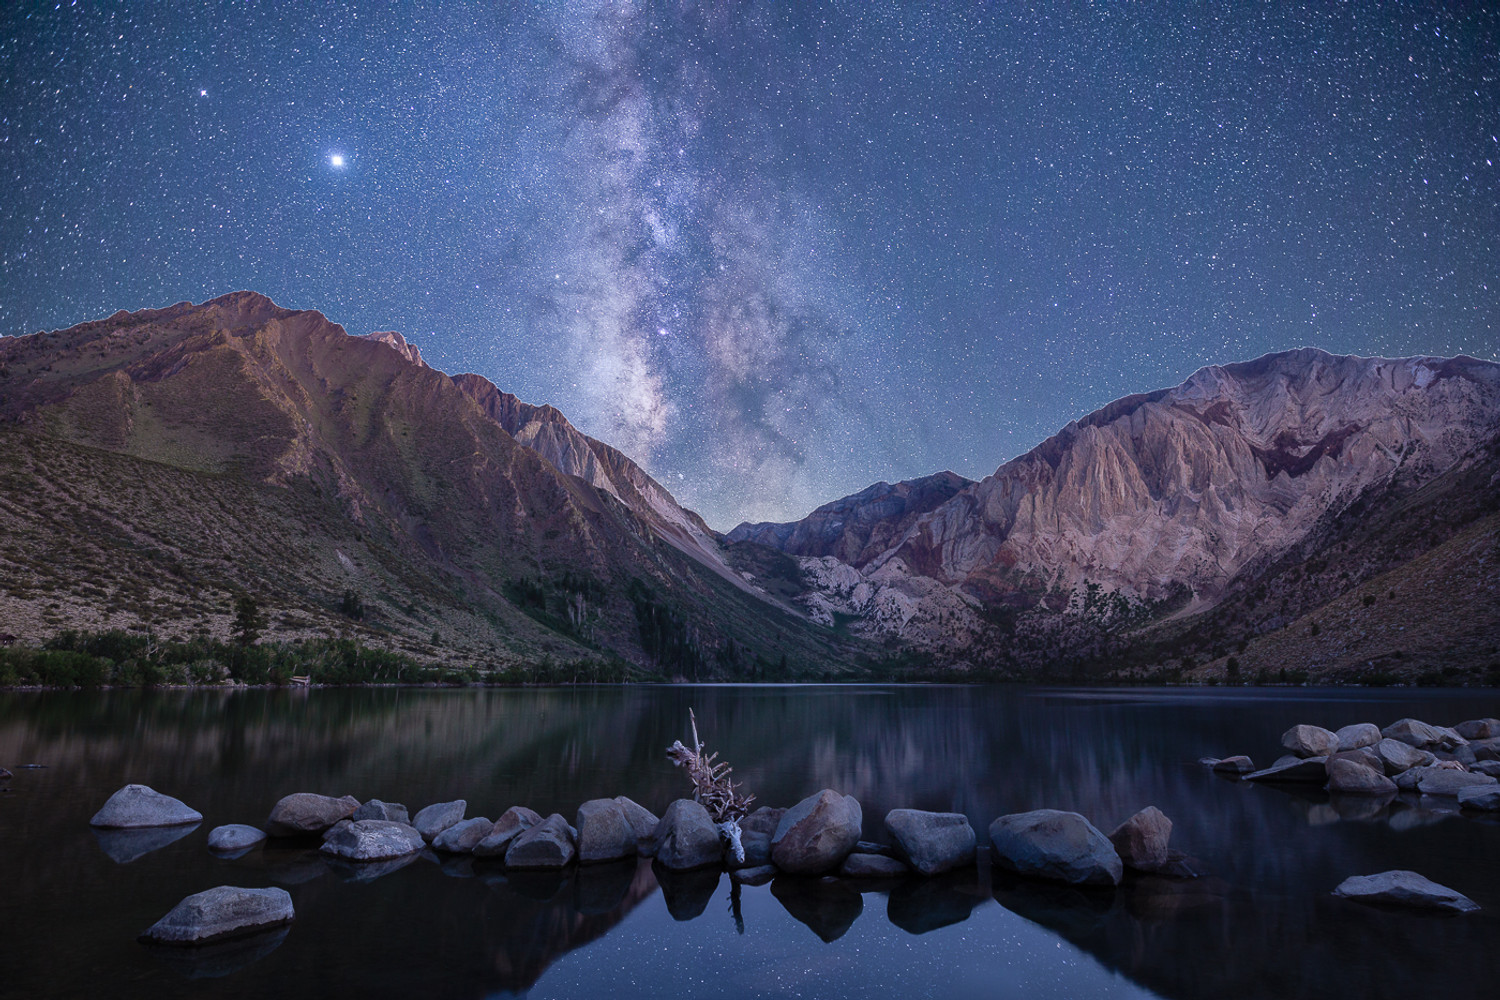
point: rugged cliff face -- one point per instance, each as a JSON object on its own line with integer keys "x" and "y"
{"x": 237, "y": 446}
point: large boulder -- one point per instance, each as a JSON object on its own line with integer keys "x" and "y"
{"x": 1141, "y": 841}
{"x": 1414, "y": 732}
{"x": 376, "y": 809}
{"x": 1481, "y": 798}
{"x": 220, "y": 913}
{"x": 462, "y": 837}
{"x": 1404, "y": 888}
{"x": 549, "y": 844}
{"x": 642, "y": 820}
{"x": 817, "y": 834}
{"x": 1309, "y": 741}
{"x": 302, "y": 814}
{"x": 512, "y": 823}
{"x": 140, "y": 806}
{"x": 1239, "y": 764}
{"x": 931, "y": 842}
{"x": 1312, "y": 770}
{"x": 1350, "y": 777}
{"x": 1478, "y": 729}
{"x": 372, "y": 840}
{"x": 686, "y": 837}
{"x": 235, "y": 837}
{"x": 1056, "y": 845}
{"x": 1443, "y": 781}
{"x": 1361, "y": 734}
{"x": 1398, "y": 756}
{"x": 604, "y": 832}
{"x": 437, "y": 817}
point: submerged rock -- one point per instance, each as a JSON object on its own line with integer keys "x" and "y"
{"x": 759, "y": 875}
{"x": 220, "y": 913}
{"x": 235, "y": 837}
{"x": 1057, "y": 845}
{"x": 931, "y": 842}
{"x": 686, "y": 837}
{"x": 1349, "y": 777}
{"x": 872, "y": 866}
{"x": 462, "y": 837}
{"x": 1141, "y": 841}
{"x": 549, "y": 844}
{"x": 1480, "y": 798}
{"x": 139, "y": 806}
{"x": 305, "y": 813}
{"x": 1312, "y": 770}
{"x": 437, "y": 817}
{"x": 1404, "y": 888}
{"x": 1309, "y": 741}
{"x": 816, "y": 834}
{"x": 373, "y": 840}
{"x": 1446, "y": 781}
{"x": 1234, "y": 765}
{"x": 1361, "y": 734}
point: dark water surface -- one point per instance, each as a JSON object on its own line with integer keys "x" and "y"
{"x": 1259, "y": 923}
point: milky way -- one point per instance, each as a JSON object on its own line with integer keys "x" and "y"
{"x": 773, "y": 251}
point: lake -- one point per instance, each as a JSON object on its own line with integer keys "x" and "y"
{"x": 1259, "y": 922}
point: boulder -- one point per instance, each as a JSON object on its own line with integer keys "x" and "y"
{"x": 139, "y": 806}
{"x": 236, "y": 837}
{"x": 1309, "y": 741}
{"x": 1364, "y": 756}
{"x": 549, "y": 844}
{"x": 1407, "y": 780}
{"x": 686, "y": 837}
{"x": 1056, "y": 845}
{"x": 1350, "y": 777}
{"x": 763, "y": 820}
{"x": 759, "y": 875}
{"x": 1141, "y": 841}
{"x": 1486, "y": 749}
{"x": 372, "y": 840}
{"x": 305, "y": 813}
{"x": 1478, "y": 729}
{"x": 1361, "y": 734}
{"x": 437, "y": 817}
{"x": 816, "y": 834}
{"x": 1443, "y": 781}
{"x": 872, "y": 866}
{"x": 1234, "y": 765}
{"x": 221, "y": 913}
{"x": 512, "y": 823}
{"x": 757, "y": 847}
{"x": 1490, "y": 767}
{"x": 1416, "y": 733}
{"x": 642, "y": 820}
{"x": 1398, "y": 756}
{"x": 931, "y": 842}
{"x": 1312, "y": 770}
{"x": 462, "y": 837}
{"x": 605, "y": 833}
{"x": 1403, "y": 888}
{"x": 395, "y": 812}
{"x": 1480, "y": 798}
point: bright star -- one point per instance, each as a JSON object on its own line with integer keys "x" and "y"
{"x": 336, "y": 160}
{"x": 202, "y": 93}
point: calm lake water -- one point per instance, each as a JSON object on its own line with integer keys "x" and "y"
{"x": 1259, "y": 923}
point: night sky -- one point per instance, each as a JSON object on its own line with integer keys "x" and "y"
{"x": 773, "y": 251}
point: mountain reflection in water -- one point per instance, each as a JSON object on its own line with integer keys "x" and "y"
{"x": 1259, "y": 923}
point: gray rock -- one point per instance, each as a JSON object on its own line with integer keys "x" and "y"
{"x": 1309, "y": 741}
{"x": 604, "y": 832}
{"x": 437, "y": 817}
{"x": 335, "y": 828}
{"x": 1414, "y": 732}
{"x": 757, "y": 847}
{"x": 139, "y": 806}
{"x": 1285, "y": 760}
{"x": 1141, "y": 841}
{"x": 1363, "y": 756}
{"x": 1235, "y": 765}
{"x": 1361, "y": 734}
{"x": 395, "y": 812}
{"x": 1312, "y": 770}
{"x": 763, "y": 820}
{"x": 1486, "y": 749}
{"x": 686, "y": 837}
{"x": 373, "y": 840}
{"x": 870, "y": 847}
{"x": 642, "y": 820}
{"x": 549, "y": 844}
{"x": 816, "y": 834}
{"x": 304, "y": 813}
{"x": 1443, "y": 781}
{"x": 931, "y": 842}
{"x": 1350, "y": 777}
{"x": 1403, "y": 888}
{"x": 1478, "y": 729}
{"x": 1056, "y": 845}
{"x": 1407, "y": 780}
{"x": 1398, "y": 756}
{"x": 512, "y": 823}
{"x": 759, "y": 875}
{"x": 1480, "y": 798}
{"x": 873, "y": 866}
{"x": 1490, "y": 767}
{"x": 221, "y": 913}
{"x": 462, "y": 837}
{"x": 236, "y": 837}
{"x": 1208, "y": 761}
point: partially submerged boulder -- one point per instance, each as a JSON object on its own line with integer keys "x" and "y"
{"x": 1353, "y": 778}
{"x": 1480, "y": 798}
{"x": 372, "y": 840}
{"x": 234, "y": 837}
{"x": 512, "y": 823}
{"x": 1404, "y": 888}
{"x": 872, "y": 866}
{"x": 686, "y": 838}
{"x": 462, "y": 837}
{"x": 436, "y": 818}
{"x": 642, "y": 820}
{"x": 816, "y": 834}
{"x": 604, "y": 832}
{"x": 1309, "y": 741}
{"x": 220, "y": 913}
{"x": 1311, "y": 770}
{"x": 1446, "y": 781}
{"x": 1416, "y": 733}
{"x": 303, "y": 814}
{"x": 137, "y": 806}
{"x": 1239, "y": 764}
{"x": 1361, "y": 734}
{"x": 1141, "y": 841}
{"x": 1056, "y": 845}
{"x": 931, "y": 842}
{"x": 395, "y": 812}
{"x": 549, "y": 844}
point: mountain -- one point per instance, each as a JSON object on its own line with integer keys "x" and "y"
{"x": 1166, "y": 504}
{"x": 154, "y": 465}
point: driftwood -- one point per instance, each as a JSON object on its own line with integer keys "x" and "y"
{"x": 712, "y": 787}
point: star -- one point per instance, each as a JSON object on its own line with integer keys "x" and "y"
{"x": 336, "y": 160}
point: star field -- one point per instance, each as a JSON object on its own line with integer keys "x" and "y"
{"x": 775, "y": 252}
